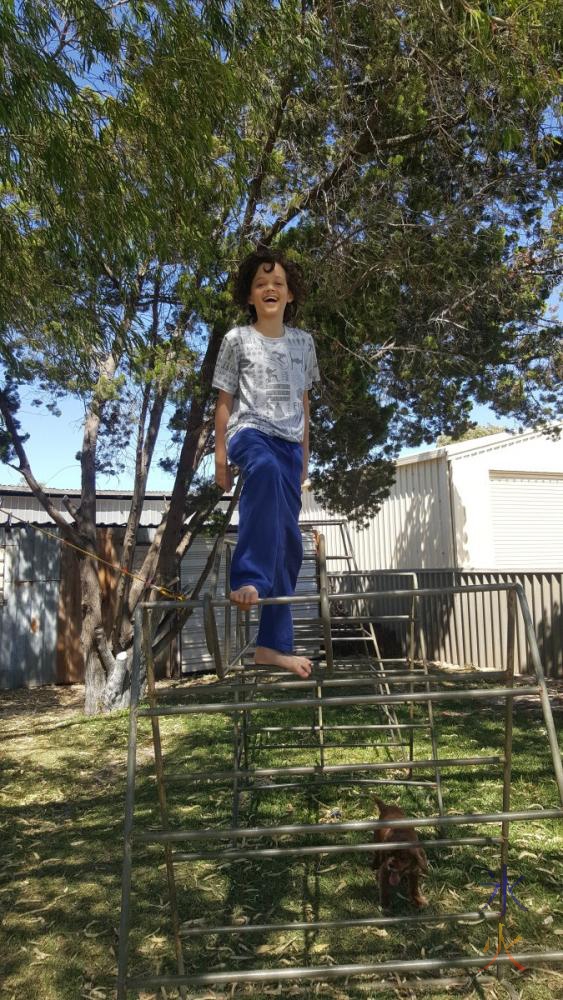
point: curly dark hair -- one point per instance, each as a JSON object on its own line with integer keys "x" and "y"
{"x": 244, "y": 277}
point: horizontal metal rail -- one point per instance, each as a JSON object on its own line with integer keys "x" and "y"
{"x": 329, "y": 729}
{"x": 313, "y": 728}
{"x": 340, "y": 971}
{"x": 475, "y": 916}
{"x": 384, "y": 765}
{"x": 223, "y": 602}
{"x": 355, "y": 702}
{"x": 354, "y": 826}
{"x": 262, "y": 786}
{"x": 368, "y": 680}
{"x": 313, "y": 850}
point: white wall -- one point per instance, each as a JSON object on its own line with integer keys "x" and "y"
{"x": 413, "y": 528}
{"x": 472, "y": 500}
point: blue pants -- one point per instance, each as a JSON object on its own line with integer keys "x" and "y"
{"x": 269, "y": 549}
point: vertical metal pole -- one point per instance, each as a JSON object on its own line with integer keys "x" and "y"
{"x": 237, "y": 746}
{"x": 129, "y": 806}
{"x": 507, "y": 767}
{"x": 433, "y": 740}
{"x": 240, "y": 642}
{"x": 411, "y": 656}
{"x": 544, "y": 696}
{"x": 320, "y": 723}
{"x": 323, "y": 585}
{"x": 159, "y": 768}
{"x": 227, "y": 644}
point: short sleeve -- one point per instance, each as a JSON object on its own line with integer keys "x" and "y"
{"x": 311, "y": 367}
{"x": 226, "y": 374}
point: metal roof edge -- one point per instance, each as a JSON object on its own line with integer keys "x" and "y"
{"x": 25, "y": 491}
{"x": 462, "y": 448}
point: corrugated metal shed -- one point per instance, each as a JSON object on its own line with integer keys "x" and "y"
{"x": 28, "y": 616}
{"x": 112, "y": 506}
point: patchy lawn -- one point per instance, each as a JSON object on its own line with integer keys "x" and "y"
{"x": 62, "y": 800}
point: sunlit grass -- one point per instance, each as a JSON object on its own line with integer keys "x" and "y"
{"x": 63, "y": 790}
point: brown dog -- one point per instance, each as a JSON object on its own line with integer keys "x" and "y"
{"x": 409, "y": 862}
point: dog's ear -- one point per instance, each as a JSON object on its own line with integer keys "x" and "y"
{"x": 422, "y": 859}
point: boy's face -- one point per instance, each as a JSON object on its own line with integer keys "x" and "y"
{"x": 269, "y": 292}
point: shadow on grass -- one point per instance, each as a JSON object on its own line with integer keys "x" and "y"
{"x": 62, "y": 837}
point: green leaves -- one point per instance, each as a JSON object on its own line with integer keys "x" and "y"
{"x": 406, "y": 157}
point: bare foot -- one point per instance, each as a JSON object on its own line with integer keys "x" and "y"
{"x": 299, "y": 665}
{"x": 244, "y": 597}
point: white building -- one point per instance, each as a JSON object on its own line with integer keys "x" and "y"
{"x": 493, "y": 503}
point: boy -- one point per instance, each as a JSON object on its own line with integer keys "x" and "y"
{"x": 264, "y": 372}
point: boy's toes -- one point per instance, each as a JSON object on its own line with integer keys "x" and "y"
{"x": 244, "y": 597}
{"x": 302, "y": 666}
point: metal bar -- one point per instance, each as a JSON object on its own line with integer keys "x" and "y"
{"x": 318, "y": 730}
{"x": 507, "y": 767}
{"x": 478, "y": 916}
{"x": 237, "y": 747}
{"x": 159, "y": 769}
{"x": 337, "y": 971}
{"x": 211, "y": 635}
{"x": 540, "y": 677}
{"x": 320, "y": 778}
{"x": 410, "y": 664}
{"x": 372, "y": 699}
{"x": 329, "y": 729}
{"x": 271, "y": 853}
{"x": 227, "y": 639}
{"x": 129, "y": 806}
{"x": 371, "y": 782}
{"x": 354, "y": 826}
{"x": 313, "y": 769}
{"x": 314, "y": 598}
{"x": 430, "y": 707}
{"x": 327, "y": 746}
{"x": 367, "y": 681}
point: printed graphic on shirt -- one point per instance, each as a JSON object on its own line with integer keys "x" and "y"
{"x": 267, "y": 378}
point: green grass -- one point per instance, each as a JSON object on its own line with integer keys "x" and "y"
{"x": 62, "y": 798}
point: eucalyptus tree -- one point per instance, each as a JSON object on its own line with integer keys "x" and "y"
{"x": 406, "y": 155}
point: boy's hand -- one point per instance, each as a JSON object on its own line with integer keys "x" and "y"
{"x": 223, "y": 475}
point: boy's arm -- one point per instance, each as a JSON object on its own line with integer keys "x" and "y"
{"x": 223, "y": 474}
{"x": 305, "y": 471}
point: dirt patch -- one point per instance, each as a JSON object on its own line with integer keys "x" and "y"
{"x": 53, "y": 699}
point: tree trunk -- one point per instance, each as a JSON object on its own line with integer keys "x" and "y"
{"x": 95, "y": 675}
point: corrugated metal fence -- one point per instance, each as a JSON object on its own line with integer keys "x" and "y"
{"x": 471, "y": 628}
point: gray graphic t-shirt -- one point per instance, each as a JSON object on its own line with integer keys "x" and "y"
{"x": 267, "y": 377}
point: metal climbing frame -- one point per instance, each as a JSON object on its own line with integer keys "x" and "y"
{"x": 246, "y": 692}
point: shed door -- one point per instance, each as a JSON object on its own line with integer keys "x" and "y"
{"x": 527, "y": 510}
